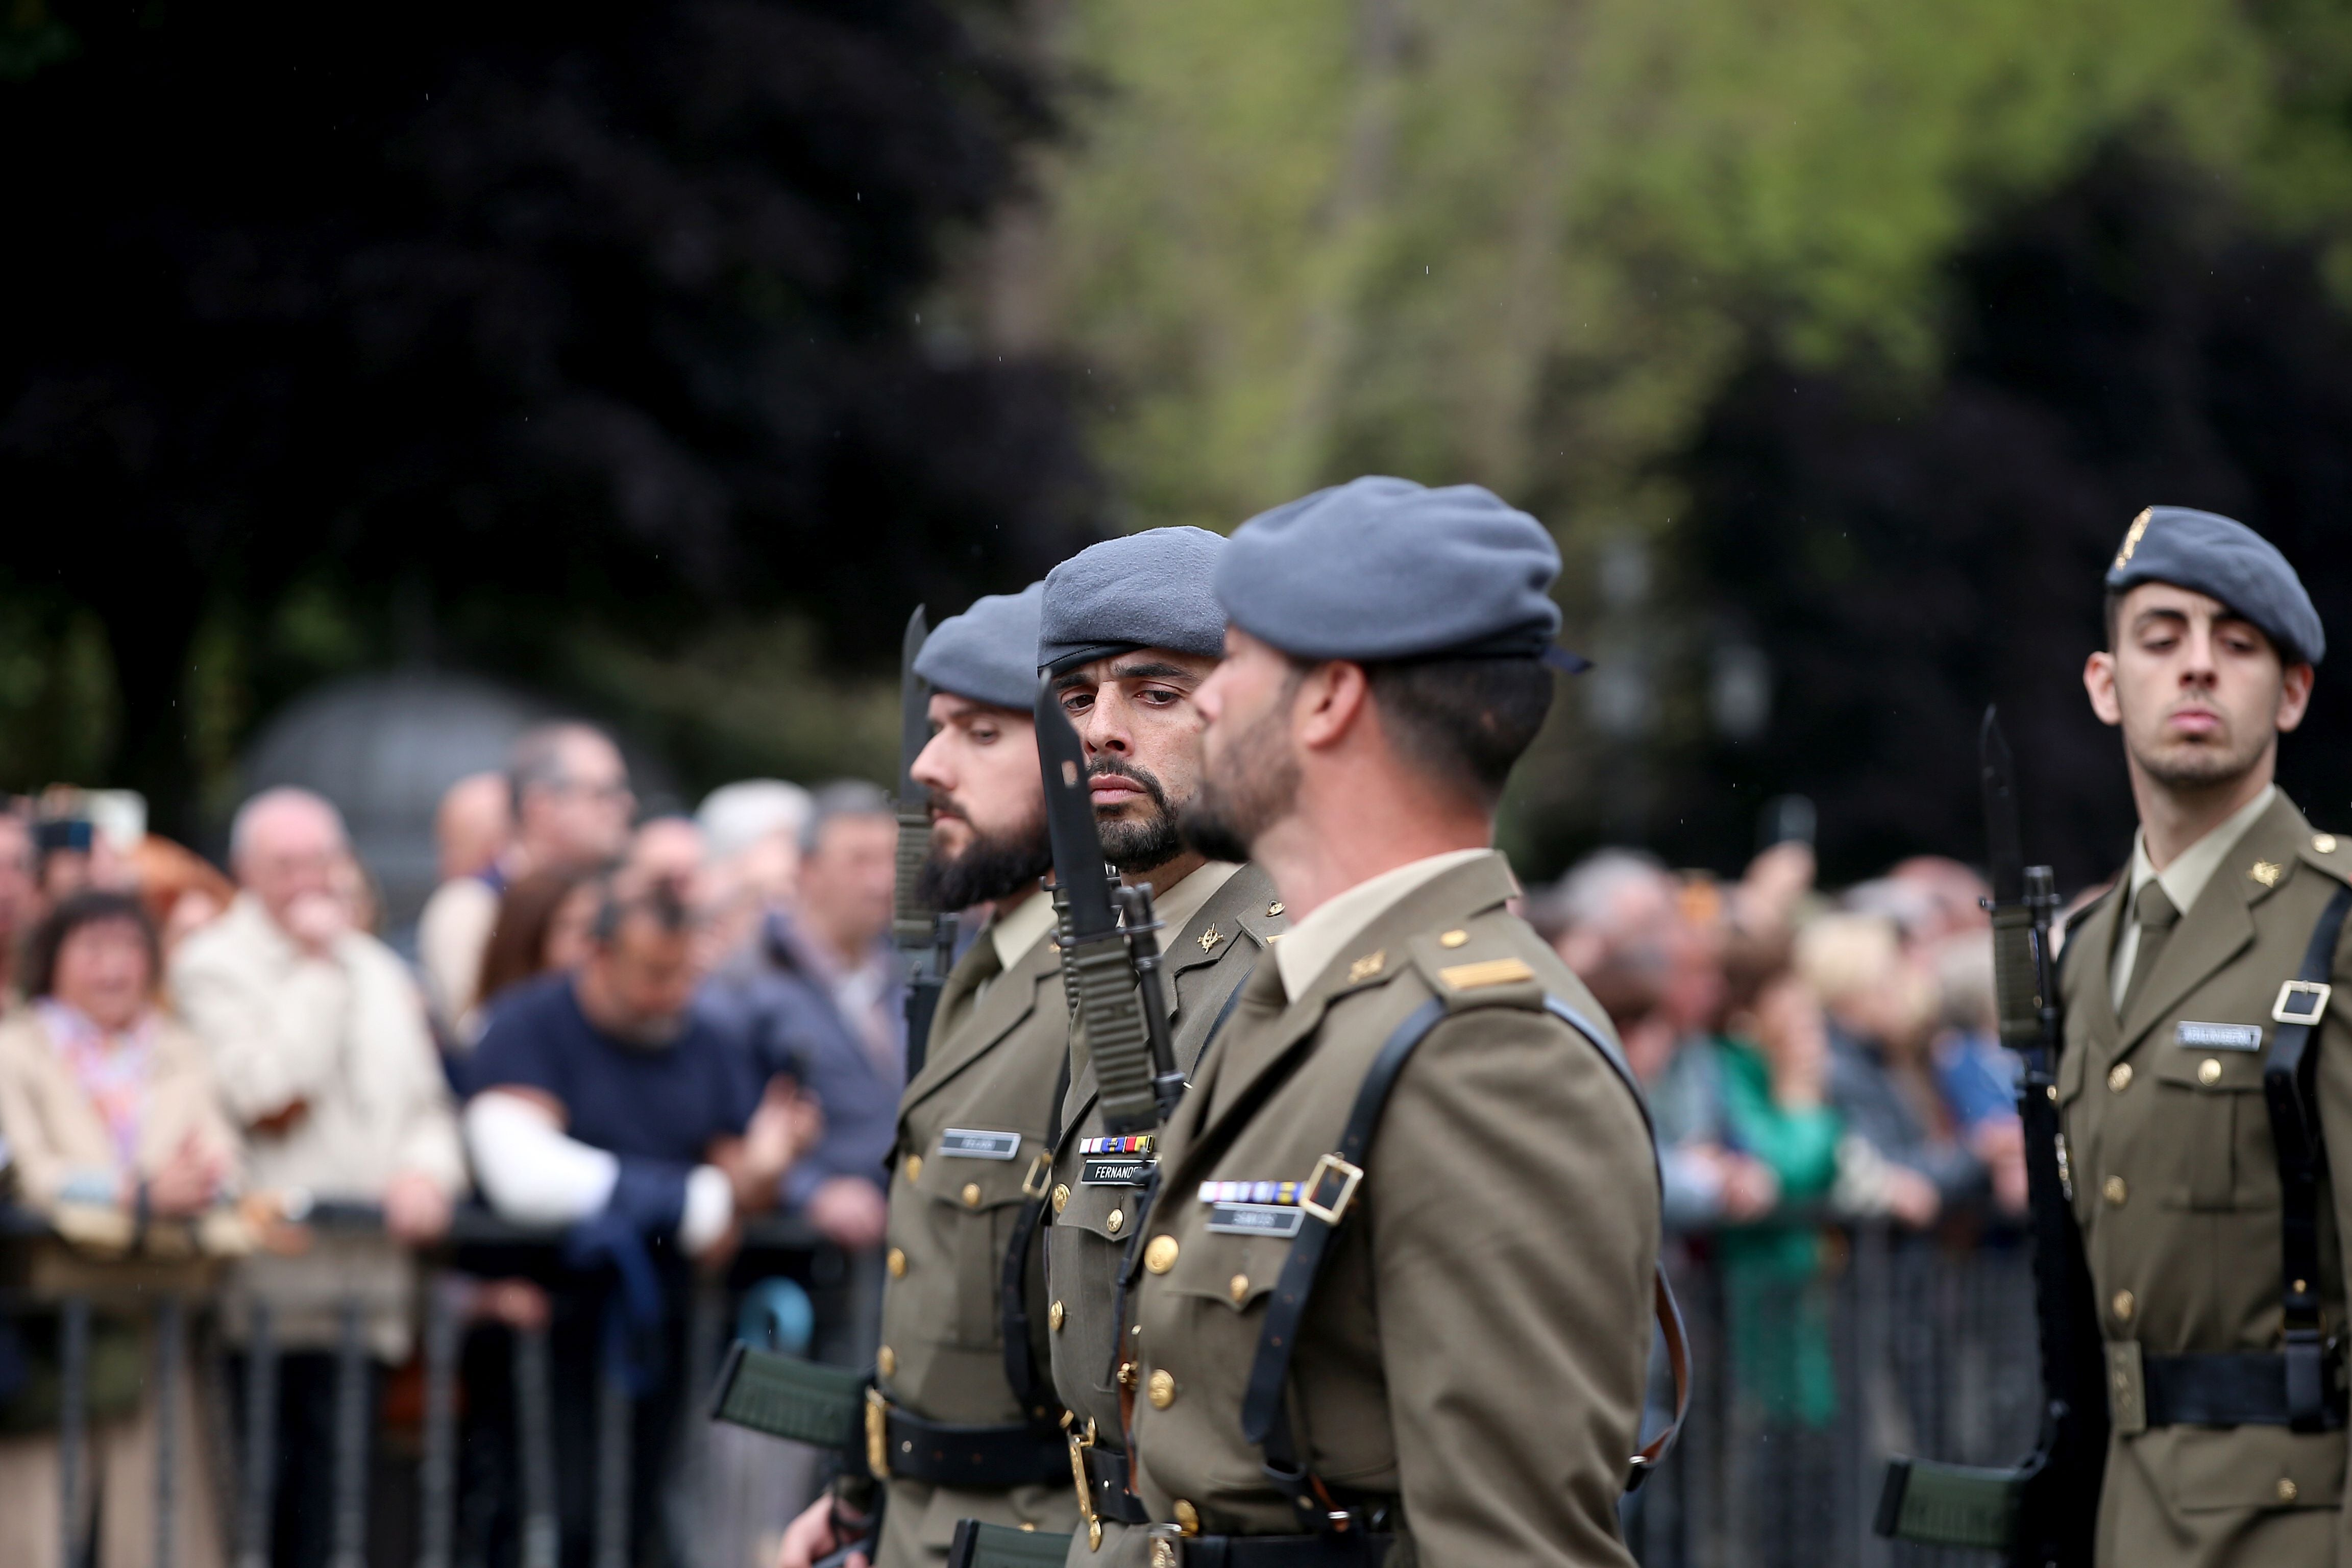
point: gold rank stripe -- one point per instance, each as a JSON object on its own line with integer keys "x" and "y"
{"x": 1492, "y": 972}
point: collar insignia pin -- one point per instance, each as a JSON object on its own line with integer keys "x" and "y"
{"x": 1364, "y": 968}
{"x": 1210, "y": 938}
{"x": 2265, "y": 873}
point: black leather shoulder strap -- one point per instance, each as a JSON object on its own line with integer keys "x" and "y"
{"x": 2289, "y": 1095}
{"x": 1330, "y": 1192}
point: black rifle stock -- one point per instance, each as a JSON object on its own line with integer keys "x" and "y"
{"x": 925, "y": 935}
{"x": 1111, "y": 945}
{"x": 2042, "y": 1512}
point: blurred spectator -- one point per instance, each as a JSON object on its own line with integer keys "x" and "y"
{"x": 182, "y": 889}
{"x": 753, "y": 828}
{"x": 20, "y": 898}
{"x": 473, "y": 825}
{"x": 107, "y": 1104}
{"x": 569, "y": 790}
{"x": 1900, "y": 1158}
{"x": 608, "y": 1107}
{"x": 542, "y": 924}
{"x": 1774, "y": 1056}
{"x": 669, "y": 849}
{"x": 819, "y": 998}
{"x": 319, "y": 1043}
{"x": 1976, "y": 1076}
{"x": 1954, "y": 896}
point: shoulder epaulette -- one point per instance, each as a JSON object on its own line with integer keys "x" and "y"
{"x": 1482, "y": 969}
{"x": 2330, "y": 854}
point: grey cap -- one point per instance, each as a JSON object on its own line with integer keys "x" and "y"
{"x": 1384, "y": 569}
{"x": 2209, "y": 553}
{"x": 989, "y": 652}
{"x": 1153, "y": 589}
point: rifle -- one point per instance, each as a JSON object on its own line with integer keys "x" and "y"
{"x": 1111, "y": 945}
{"x": 925, "y": 935}
{"x": 2042, "y": 1512}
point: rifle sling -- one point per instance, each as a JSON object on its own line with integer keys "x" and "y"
{"x": 1266, "y": 1419}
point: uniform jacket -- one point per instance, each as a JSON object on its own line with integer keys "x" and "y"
{"x": 1478, "y": 1342}
{"x": 1204, "y": 963}
{"x": 996, "y": 1060}
{"x": 2175, "y": 1184}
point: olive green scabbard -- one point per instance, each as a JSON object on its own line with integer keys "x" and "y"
{"x": 979, "y": 1545}
{"x": 785, "y": 1396}
{"x": 1931, "y": 1504}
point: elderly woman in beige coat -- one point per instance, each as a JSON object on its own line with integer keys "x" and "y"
{"x": 112, "y": 1119}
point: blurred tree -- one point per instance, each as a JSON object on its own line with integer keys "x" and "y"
{"x": 338, "y": 332}
{"x": 1905, "y": 558}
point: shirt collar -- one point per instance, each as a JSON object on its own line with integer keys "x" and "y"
{"x": 2194, "y": 867}
{"x": 1176, "y": 906}
{"x": 1017, "y": 933}
{"x": 1309, "y": 947}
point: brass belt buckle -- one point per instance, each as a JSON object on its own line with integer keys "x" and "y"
{"x": 1329, "y": 1165}
{"x": 1079, "y": 1447}
{"x": 2285, "y": 1010}
{"x": 878, "y": 1434}
{"x": 1167, "y": 1545}
{"x": 1041, "y": 1173}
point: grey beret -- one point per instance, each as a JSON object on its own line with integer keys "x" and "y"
{"x": 1153, "y": 589}
{"x": 989, "y": 652}
{"x": 1380, "y": 568}
{"x": 2211, "y": 554}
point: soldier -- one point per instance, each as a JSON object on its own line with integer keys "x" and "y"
{"x": 1466, "y": 1382}
{"x": 1131, "y": 629}
{"x": 2185, "y": 1081}
{"x": 973, "y": 1149}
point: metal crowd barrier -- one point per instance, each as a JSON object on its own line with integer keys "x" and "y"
{"x": 1810, "y": 1377}
{"x": 438, "y": 1503}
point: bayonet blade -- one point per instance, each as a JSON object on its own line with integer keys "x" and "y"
{"x": 2004, "y": 843}
{"x": 914, "y": 707}
{"x": 914, "y": 925}
{"x": 1070, "y": 820}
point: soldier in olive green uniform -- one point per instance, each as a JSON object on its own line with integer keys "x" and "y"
{"x": 955, "y": 1436}
{"x": 2196, "y": 976}
{"x": 1465, "y": 1383}
{"x": 1130, "y": 628}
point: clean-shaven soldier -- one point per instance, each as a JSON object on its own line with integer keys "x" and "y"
{"x": 2213, "y": 1248}
{"x": 1131, "y": 627}
{"x": 958, "y": 1440}
{"x": 1396, "y": 1289}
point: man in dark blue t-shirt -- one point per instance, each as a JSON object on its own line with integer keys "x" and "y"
{"x": 606, "y": 1107}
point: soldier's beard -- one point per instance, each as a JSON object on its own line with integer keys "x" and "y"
{"x": 992, "y": 866}
{"x": 1256, "y": 787}
{"x": 1133, "y": 846}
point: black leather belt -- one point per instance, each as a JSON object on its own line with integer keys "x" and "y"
{"x": 989, "y": 1457}
{"x": 1107, "y": 1487}
{"x": 2236, "y": 1389}
{"x": 1350, "y": 1549}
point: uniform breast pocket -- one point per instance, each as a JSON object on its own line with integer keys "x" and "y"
{"x": 975, "y": 1207}
{"x": 2208, "y": 1134}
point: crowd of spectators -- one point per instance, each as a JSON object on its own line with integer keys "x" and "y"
{"x": 634, "y": 1035}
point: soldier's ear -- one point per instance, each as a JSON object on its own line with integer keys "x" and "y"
{"x": 2099, "y": 684}
{"x": 2294, "y": 695}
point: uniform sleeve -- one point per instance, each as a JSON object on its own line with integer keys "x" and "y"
{"x": 1514, "y": 1238}
{"x": 271, "y": 1041}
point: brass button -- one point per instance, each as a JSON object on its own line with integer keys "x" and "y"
{"x": 1113, "y": 1221}
{"x": 2324, "y": 842}
{"x": 1161, "y": 1256}
{"x": 886, "y": 1361}
{"x": 1188, "y": 1518}
{"x": 1026, "y": 1525}
{"x": 1162, "y": 1390}
{"x": 1126, "y": 1374}
{"x": 1054, "y": 1316}
{"x": 2286, "y": 1490}
{"x": 2114, "y": 1190}
{"x": 2119, "y": 1077}
{"x": 2123, "y": 1305}
{"x": 898, "y": 1263}
{"x": 2209, "y": 1071}
{"x": 914, "y": 1167}
{"x": 1453, "y": 939}
{"x": 1061, "y": 1197}
{"x": 1238, "y": 1289}
{"x": 972, "y": 1194}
